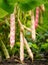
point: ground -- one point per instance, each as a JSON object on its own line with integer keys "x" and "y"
{"x": 16, "y": 61}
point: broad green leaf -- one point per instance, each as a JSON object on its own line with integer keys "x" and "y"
{"x": 31, "y": 4}
{"x": 1, "y": 1}
{"x": 25, "y": 5}
{"x": 3, "y": 13}
{"x": 24, "y": 1}
{"x": 5, "y": 8}
{"x": 5, "y": 5}
{"x": 12, "y": 2}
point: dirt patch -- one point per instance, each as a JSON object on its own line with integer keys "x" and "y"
{"x": 27, "y": 62}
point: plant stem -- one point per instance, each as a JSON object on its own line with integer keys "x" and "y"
{"x": 5, "y": 50}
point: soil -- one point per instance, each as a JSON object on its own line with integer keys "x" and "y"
{"x": 16, "y": 61}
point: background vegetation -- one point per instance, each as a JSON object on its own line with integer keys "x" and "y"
{"x": 40, "y": 46}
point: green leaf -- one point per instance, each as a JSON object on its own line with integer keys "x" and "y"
{"x": 44, "y": 46}
{"x": 3, "y": 13}
{"x": 35, "y": 46}
{"x": 5, "y": 8}
{"x": 5, "y": 5}
{"x": 31, "y": 4}
{"x": 12, "y": 2}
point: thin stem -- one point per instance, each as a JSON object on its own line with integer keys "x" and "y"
{"x": 5, "y": 50}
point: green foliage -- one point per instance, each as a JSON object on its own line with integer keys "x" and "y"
{"x": 6, "y": 7}
{"x": 44, "y": 47}
{"x": 16, "y": 49}
{"x": 42, "y": 30}
{"x": 26, "y": 5}
{"x": 12, "y": 2}
{"x": 3, "y": 13}
{"x": 34, "y": 47}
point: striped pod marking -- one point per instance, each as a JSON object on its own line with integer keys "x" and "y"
{"x": 12, "y": 30}
{"x": 37, "y": 17}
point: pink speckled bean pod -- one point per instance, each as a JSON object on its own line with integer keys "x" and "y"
{"x": 12, "y": 30}
{"x": 37, "y": 17}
